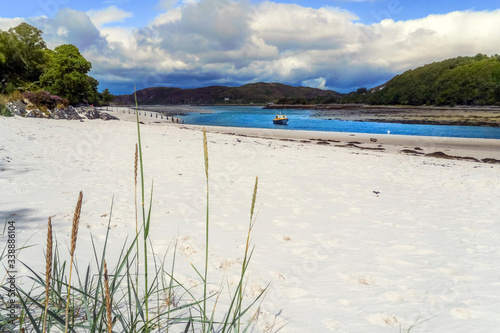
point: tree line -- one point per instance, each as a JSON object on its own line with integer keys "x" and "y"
{"x": 27, "y": 65}
{"x": 457, "y": 81}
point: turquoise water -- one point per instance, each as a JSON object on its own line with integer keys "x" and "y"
{"x": 256, "y": 117}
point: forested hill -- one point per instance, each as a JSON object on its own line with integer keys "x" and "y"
{"x": 257, "y": 93}
{"x": 457, "y": 81}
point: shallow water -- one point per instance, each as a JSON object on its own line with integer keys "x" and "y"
{"x": 256, "y": 117}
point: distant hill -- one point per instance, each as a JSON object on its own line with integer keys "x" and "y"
{"x": 458, "y": 81}
{"x": 257, "y": 93}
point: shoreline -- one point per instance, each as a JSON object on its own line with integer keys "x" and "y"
{"x": 453, "y": 148}
{"x": 473, "y": 149}
{"x": 485, "y": 116}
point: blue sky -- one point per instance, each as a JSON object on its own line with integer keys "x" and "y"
{"x": 330, "y": 44}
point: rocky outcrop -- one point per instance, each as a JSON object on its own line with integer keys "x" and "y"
{"x": 107, "y": 116}
{"x": 69, "y": 113}
{"x": 93, "y": 113}
{"x": 18, "y": 108}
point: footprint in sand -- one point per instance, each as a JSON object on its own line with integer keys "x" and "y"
{"x": 463, "y": 313}
{"x": 255, "y": 290}
{"x": 394, "y": 296}
{"x": 383, "y": 319}
{"x": 185, "y": 248}
{"x": 226, "y": 264}
{"x": 344, "y": 302}
{"x": 331, "y": 325}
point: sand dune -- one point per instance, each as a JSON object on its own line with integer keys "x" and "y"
{"x": 352, "y": 240}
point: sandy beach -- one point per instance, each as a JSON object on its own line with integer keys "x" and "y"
{"x": 354, "y": 232}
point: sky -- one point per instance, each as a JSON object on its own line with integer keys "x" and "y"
{"x": 340, "y": 45}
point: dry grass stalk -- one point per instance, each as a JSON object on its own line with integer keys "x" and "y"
{"x": 76, "y": 222}
{"x": 108, "y": 298}
{"x": 74, "y": 234}
{"x": 48, "y": 272}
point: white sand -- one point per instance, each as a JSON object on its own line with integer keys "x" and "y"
{"x": 339, "y": 257}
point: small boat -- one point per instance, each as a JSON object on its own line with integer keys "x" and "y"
{"x": 280, "y": 119}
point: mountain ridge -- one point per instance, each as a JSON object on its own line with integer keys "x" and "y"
{"x": 253, "y": 93}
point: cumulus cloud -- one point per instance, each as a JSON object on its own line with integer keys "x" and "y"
{"x": 108, "y": 15}
{"x": 204, "y": 42}
{"x": 7, "y": 23}
{"x": 70, "y": 26}
{"x": 315, "y": 83}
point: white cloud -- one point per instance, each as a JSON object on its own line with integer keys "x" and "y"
{"x": 167, "y": 4}
{"x": 7, "y": 23}
{"x": 294, "y": 27}
{"x": 108, "y": 15}
{"x": 405, "y": 44}
{"x": 207, "y": 41}
{"x": 319, "y": 83}
{"x": 69, "y": 26}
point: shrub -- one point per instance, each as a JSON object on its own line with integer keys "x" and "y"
{"x": 15, "y": 96}
{"x": 5, "y": 111}
{"x": 44, "y": 100}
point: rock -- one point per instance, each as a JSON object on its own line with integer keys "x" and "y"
{"x": 17, "y": 108}
{"x": 36, "y": 114}
{"x": 373, "y": 139}
{"x": 72, "y": 114}
{"x": 91, "y": 113}
{"x": 107, "y": 116}
{"x": 59, "y": 114}
{"x": 68, "y": 113}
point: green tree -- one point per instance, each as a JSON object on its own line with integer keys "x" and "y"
{"x": 106, "y": 96}
{"x": 458, "y": 81}
{"x": 30, "y": 48}
{"x": 22, "y": 56}
{"x": 66, "y": 75}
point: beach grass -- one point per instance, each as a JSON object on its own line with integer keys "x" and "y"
{"x": 132, "y": 295}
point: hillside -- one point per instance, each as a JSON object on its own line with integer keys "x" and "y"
{"x": 258, "y": 93}
{"x": 457, "y": 81}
